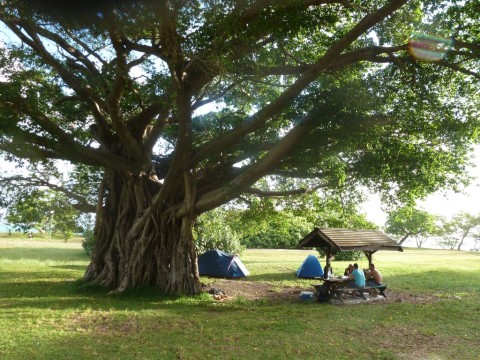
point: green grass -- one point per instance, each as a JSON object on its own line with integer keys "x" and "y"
{"x": 46, "y": 313}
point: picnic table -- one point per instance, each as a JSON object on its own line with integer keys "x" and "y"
{"x": 338, "y": 285}
{"x": 329, "y": 287}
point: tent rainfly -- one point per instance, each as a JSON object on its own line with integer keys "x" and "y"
{"x": 333, "y": 240}
{"x": 310, "y": 268}
{"x": 217, "y": 263}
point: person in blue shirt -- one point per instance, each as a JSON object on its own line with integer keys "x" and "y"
{"x": 358, "y": 278}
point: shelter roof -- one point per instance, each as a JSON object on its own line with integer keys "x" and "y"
{"x": 349, "y": 240}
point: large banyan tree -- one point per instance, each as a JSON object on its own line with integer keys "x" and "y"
{"x": 186, "y": 105}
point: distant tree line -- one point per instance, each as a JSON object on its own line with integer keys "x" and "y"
{"x": 274, "y": 223}
{"x": 255, "y": 222}
{"x": 449, "y": 233}
{"x": 250, "y": 222}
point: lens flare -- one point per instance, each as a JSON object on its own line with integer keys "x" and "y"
{"x": 429, "y": 47}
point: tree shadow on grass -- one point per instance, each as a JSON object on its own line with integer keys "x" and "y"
{"x": 74, "y": 294}
{"x": 268, "y": 277}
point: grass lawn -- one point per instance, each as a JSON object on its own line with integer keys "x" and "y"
{"x": 46, "y": 313}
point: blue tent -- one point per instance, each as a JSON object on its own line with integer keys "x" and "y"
{"x": 218, "y": 263}
{"x": 310, "y": 268}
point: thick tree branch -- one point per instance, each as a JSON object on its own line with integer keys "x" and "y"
{"x": 142, "y": 48}
{"x": 459, "y": 69}
{"x": 181, "y": 157}
{"x": 61, "y": 143}
{"x": 258, "y": 120}
{"x": 458, "y": 44}
{"x": 324, "y": 139}
{"x": 69, "y": 49}
{"x": 30, "y": 152}
{"x": 80, "y": 202}
{"x": 157, "y": 129}
{"x": 139, "y": 122}
{"x": 254, "y": 172}
{"x": 33, "y": 41}
{"x": 199, "y": 103}
{"x": 373, "y": 54}
{"x": 279, "y": 194}
{"x": 91, "y": 52}
{"x": 116, "y": 92}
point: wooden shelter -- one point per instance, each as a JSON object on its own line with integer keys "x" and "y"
{"x": 333, "y": 240}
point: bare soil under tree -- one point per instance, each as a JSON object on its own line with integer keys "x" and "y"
{"x": 258, "y": 291}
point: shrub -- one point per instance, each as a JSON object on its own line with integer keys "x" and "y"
{"x": 344, "y": 255}
{"x": 212, "y": 231}
{"x": 349, "y": 255}
{"x": 225, "y": 240}
{"x": 88, "y": 241}
{"x": 283, "y": 231}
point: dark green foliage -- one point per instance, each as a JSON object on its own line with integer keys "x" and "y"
{"x": 283, "y": 231}
{"x": 214, "y": 232}
{"x": 343, "y": 255}
{"x": 88, "y": 241}
{"x": 44, "y": 211}
{"x": 349, "y": 256}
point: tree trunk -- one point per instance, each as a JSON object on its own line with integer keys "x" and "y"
{"x": 403, "y": 239}
{"x": 136, "y": 247}
{"x": 461, "y": 241}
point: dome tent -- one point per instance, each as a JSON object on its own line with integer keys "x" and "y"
{"x": 310, "y": 268}
{"x": 217, "y": 263}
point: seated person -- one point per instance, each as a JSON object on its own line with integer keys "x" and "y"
{"x": 373, "y": 276}
{"x": 358, "y": 278}
{"x": 348, "y": 270}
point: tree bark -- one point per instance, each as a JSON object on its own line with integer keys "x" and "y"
{"x": 461, "y": 241}
{"x": 403, "y": 239}
{"x": 161, "y": 254}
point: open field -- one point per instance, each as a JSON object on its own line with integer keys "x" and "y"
{"x": 45, "y": 312}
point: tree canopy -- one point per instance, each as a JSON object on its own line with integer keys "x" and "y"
{"x": 456, "y": 230}
{"x": 407, "y": 222}
{"x": 187, "y": 105}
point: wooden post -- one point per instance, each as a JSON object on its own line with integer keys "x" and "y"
{"x": 329, "y": 252}
{"x": 327, "y": 262}
{"x": 369, "y": 255}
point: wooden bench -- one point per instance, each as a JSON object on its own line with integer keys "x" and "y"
{"x": 381, "y": 289}
{"x": 325, "y": 293}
